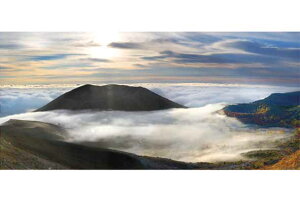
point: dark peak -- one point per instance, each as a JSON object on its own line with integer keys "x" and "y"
{"x": 110, "y": 86}
{"x": 87, "y": 85}
{"x": 110, "y": 97}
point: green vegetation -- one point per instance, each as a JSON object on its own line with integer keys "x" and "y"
{"x": 265, "y": 157}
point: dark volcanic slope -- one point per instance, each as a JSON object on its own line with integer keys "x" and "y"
{"x": 40, "y": 145}
{"x": 110, "y": 97}
{"x": 279, "y": 110}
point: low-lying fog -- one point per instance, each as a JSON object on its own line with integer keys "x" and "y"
{"x": 194, "y": 134}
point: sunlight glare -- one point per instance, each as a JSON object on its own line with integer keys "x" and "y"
{"x": 104, "y": 39}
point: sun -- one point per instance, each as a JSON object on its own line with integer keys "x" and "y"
{"x": 106, "y": 37}
{"x": 103, "y": 50}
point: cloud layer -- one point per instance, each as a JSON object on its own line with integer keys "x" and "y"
{"x": 20, "y": 100}
{"x": 191, "y": 135}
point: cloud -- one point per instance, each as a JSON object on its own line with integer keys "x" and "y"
{"x": 189, "y": 58}
{"x": 217, "y": 58}
{"x": 10, "y": 46}
{"x": 51, "y": 57}
{"x": 95, "y": 60}
{"x": 5, "y": 68}
{"x": 14, "y": 100}
{"x": 86, "y": 44}
{"x": 257, "y": 48}
{"x": 202, "y": 37}
{"x": 231, "y": 51}
{"x": 125, "y": 45}
{"x": 273, "y": 37}
{"x": 68, "y": 65}
{"x": 199, "y": 96}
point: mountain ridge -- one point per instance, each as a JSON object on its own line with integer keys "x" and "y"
{"x": 276, "y": 110}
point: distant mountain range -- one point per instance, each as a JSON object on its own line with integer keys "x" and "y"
{"x": 277, "y": 110}
{"x": 110, "y": 97}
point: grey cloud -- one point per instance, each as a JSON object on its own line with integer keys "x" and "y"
{"x": 50, "y": 57}
{"x": 147, "y": 44}
{"x": 5, "y": 68}
{"x": 87, "y": 44}
{"x": 95, "y": 60}
{"x": 265, "y": 36}
{"x": 126, "y": 45}
{"x": 257, "y": 48}
{"x": 258, "y": 72}
{"x": 202, "y": 37}
{"x": 10, "y": 69}
{"x": 213, "y": 58}
{"x": 14, "y": 101}
{"x": 10, "y": 46}
{"x": 141, "y": 65}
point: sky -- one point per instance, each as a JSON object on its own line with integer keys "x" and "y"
{"x": 267, "y": 58}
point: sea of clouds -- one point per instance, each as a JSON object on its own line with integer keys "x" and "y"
{"x": 199, "y": 133}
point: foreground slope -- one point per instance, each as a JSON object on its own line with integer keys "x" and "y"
{"x": 290, "y": 162}
{"x": 277, "y": 110}
{"x": 41, "y": 145}
{"x": 12, "y": 157}
{"x": 110, "y": 97}
{"x": 38, "y": 145}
